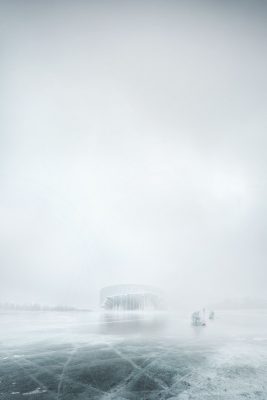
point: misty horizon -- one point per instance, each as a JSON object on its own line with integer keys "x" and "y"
{"x": 132, "y": 149}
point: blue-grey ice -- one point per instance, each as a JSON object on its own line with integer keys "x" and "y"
{"x": 133, "y": 356}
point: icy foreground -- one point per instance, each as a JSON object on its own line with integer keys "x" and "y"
{"x": 132, "y": 356}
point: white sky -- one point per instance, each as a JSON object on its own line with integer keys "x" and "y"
{"x": 132, "y": 148}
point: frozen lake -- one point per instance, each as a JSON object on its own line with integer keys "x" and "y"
{"x": 82, "y": 355}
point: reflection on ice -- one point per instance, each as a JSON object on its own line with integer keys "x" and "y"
{"x": 128, "y": 323}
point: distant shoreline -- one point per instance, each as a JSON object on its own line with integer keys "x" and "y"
{"x": 38, "y": 307}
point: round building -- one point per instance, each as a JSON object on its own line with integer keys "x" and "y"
{"x": 131, "y": 297}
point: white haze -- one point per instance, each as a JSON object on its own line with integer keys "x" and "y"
{"x": 132, "y": 149}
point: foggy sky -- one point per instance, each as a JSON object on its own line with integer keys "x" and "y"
{"x": 132, "y": 148}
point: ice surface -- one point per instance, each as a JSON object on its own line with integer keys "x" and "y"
{"x": 132, "y": 356}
